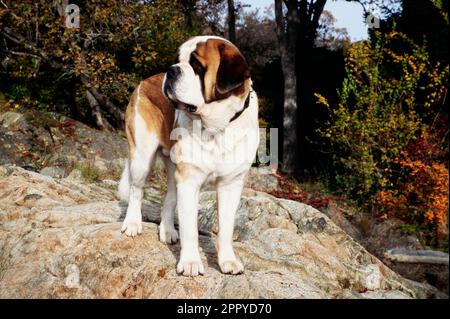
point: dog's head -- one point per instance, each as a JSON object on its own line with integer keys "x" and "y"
{"x": 210, "y": 71}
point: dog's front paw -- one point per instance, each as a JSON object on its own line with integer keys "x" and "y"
{"x": 168, "y": 235}
{"x": 233, "y": 267}
{"x": 132, "y": 227}
{"x": 190, "y": 267}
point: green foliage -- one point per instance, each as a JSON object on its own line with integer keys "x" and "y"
{"x": 117, "y": 44}
{"x": 89, "y": 172}
{"x": 384, "y": 104}
{"x": 267, "y": 108}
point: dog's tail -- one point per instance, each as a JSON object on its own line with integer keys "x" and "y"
{"x": 124, "y": 186}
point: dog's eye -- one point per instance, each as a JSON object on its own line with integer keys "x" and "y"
{"x": 196, "y": 66}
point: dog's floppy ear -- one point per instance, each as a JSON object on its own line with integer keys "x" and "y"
{"x": 233, "y": 69}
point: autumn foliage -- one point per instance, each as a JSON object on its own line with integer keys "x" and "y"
{"x": 389, "y": 134}
{"x": 87, "y": 72}
{"x": 420, "y": 195}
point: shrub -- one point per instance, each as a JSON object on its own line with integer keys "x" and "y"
{"x": 420, "y": 192}
{"x": 89, "y": 172}
{"x": 384, "y": 105}
{"x": 390, "y": 143}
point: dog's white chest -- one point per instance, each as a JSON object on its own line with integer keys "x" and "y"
{"x": 220, "y": 153}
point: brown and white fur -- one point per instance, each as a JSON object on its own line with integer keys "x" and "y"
{"x": 209, "y": 85}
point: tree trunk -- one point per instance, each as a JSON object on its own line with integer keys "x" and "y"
{"x": 290, "y": 145}
{"x": 287, "y": 44}
{"x": 231, "y": 21}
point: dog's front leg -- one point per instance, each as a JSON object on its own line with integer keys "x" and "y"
{"x": 228, "y": 197}
{"x": 189, "y": 181}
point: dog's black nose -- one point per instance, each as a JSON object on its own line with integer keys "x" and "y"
{"x": 173, "y": 72}
{"x": 191, "y": 108}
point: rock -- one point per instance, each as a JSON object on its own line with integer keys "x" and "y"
{"x": 68, "y": 244}
{"x": 387, "y": 234}
{"x": 13, "y": 145}
{"x": 110, "y": 182}
{"x": 72, "y": 279}
{"x": 101, "y": 165}
{"x": 9, "y": 118}
{"x": 55, "y": 172}
{"x": 373, "y": 278}
{"x": 262, "y": 178}
{"x": 75, "y": 175}
{"x": 383, "y": 236}
{"x": 55, "y": 141}
{"x": 335, "y": 213}
{"x": 385, "y": 295}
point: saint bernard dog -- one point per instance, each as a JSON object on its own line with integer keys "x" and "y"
{"x": 201, "y": 118}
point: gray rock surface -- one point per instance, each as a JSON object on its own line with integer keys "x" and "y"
{"x": 53, "y": 172}
{"x": 37, "y": 140}
{"x": 383, "y": 235}
{"x": 60, "y": 238}
{"x": 262, "y": 178}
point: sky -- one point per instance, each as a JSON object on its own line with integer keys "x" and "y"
{"x": 348, "y": 15}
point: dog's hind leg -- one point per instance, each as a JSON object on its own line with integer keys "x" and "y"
{"x": 124, "y": 185}
{"x": 146, "y": 145}
{"x": 167, "y": 231}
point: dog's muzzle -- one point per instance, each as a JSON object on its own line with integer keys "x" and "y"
{"x": 172, "y": 74}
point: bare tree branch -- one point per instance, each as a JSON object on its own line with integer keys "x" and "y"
{"x": 96, "y": 112}
{"x": 105, "y": 103}
{"x": 25, "y": 54}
